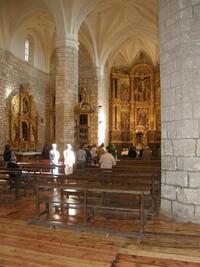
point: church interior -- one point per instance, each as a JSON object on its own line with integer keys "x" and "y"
{"x": 121, "y": 73}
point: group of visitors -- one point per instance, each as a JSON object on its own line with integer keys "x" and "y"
{"x": 81, "y": 157}
{"x": 137, "y": 152}
{"x": 69, "y": 158}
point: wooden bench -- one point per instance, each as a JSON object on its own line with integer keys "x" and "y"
{"x": 141, "y": 181}
{"x": 50, "y": 200}
{"x": 41, "y": 167}
{"x": 11, "y": 185}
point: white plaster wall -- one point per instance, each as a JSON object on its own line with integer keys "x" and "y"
{"x": 17, "y": 48}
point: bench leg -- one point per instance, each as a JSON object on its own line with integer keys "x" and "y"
{"x": 85, "y": 208}
{"x": 47, "y": 207}
{"x": 37, "y": 204}
{"x": 141, "y": 212}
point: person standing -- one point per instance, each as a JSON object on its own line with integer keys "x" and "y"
{"x": 81, "y": 157}
{"x": 54, "y": 156}
{"x": 100, "y": 151}
{"x": 69, "y": 159}
{"x": 46, "y": 153}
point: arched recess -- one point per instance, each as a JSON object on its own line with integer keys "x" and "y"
{"x": 40, "y": 26}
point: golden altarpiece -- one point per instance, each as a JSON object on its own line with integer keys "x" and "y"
{"x": 83, "y": 112}
{"x": 135, "y": 106}
{"x": 23, "y": 121}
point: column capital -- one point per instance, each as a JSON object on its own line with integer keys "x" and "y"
{"x": 71, "y": 40}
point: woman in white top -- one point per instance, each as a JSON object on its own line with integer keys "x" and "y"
{"x": 54, "y": 156}
{"x": 69, "y": 159}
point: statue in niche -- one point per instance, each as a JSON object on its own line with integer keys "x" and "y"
{"x": 158, "y": 124}
{"x": 115, "y": 135}
{"x": 158, "y": 91}
{"x": 146, "y": 90}
{"x": 138, "y": 91}
{"x": 125, "y": 121}
{"x": 15, "y": 133}
{"x": 33, "y": 133}
{"x": 84, "y": 95}
{"x": 124, "y": 92}
{"x": 142, "y": 118}
{"x": 25, "y": 105}
{"x": 142, "y": 90}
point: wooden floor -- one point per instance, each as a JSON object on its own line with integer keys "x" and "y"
{"x": 165, "y": 243}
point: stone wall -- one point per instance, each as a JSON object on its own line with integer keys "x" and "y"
{"x": 88, "y": 79}
{"x": 13, "y": 73}
{"x": 66, "y": 91}
{"x": 50, "y": 102}
{"x": 180, "y": 108}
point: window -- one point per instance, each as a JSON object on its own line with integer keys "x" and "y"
{"x": 26, "y": 52}
{"x": 29, "y": 49}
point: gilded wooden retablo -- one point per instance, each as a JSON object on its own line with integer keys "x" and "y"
{"x": 135, "y": 106}
{"x": 23, "y": 121}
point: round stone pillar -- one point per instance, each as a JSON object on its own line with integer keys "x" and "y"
{"x": 103, "y": 104}
{"x": 66, "y": 90}
{"x": 180, "y": 108}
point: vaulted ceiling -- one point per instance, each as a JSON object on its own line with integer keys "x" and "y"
{"x": 109, "y": 29}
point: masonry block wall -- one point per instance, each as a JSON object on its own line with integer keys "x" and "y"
{"x": 50, "y": 102}
{"x": 66, "y": 94}
{"x": 180, "y": 108}
{"x": 13, "y": 73}
{"x": 88, "y": 79}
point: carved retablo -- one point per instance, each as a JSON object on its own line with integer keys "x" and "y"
{"x": 23, "y": 120}
{"x": 135, "y": 105}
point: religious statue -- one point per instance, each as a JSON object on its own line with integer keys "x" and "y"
{"x": 125, "y": 121}
{"x": 124, "y": 92}
{"x": 84, "y": 95}
{"x": 142, "y": 117}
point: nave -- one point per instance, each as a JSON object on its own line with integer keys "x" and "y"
{"x": 165, "y": 242}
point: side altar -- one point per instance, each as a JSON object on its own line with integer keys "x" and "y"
{"x": 23, "y": 120}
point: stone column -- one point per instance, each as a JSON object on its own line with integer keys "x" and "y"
{"x": 180, "y": 108}
{"x": 103, "y": 103}
{"x": 66, "y": 90}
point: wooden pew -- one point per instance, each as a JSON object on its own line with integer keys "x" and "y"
{"x": 11, "y": 185}
{"x": 97, "y": 177}
{"x": 87, "y": 204}
{"x": 141, "y": 181}
{"x": 41, "y": 167}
